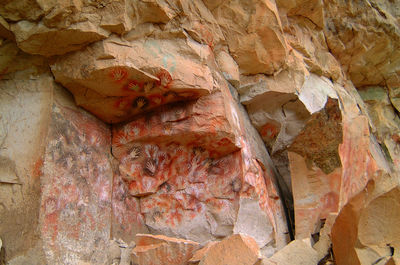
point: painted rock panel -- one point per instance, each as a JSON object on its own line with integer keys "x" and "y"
{"x": 127, "y": 220}
{"x": 190, "y": 177}
{"x": 135, "y": 76}
{"x": 204, "y": 123}
{"x": 75, "y": 210}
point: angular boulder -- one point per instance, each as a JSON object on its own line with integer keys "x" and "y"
{"x": 236, "y": 250}
{"x": 162, "y": 250}
{"x": 136, "y": 76}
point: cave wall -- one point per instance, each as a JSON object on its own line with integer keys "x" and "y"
{"x": 198, "y": 120}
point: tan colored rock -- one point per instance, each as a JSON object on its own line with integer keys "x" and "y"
{"x": 253, "y": 33}
{"x": 5, "y": 31}
{"x": 309, "y": 40}
{"x": 352, "y": 157}
{"x": 71, "y": 25}
{"x": 15, "y": 64}
{"x": 280, "y": 92}
{"x": 393, "y": 84}
{"x": 136, "y": 76}
{"x": 229, "y": 68}
{"x": 25, "y": 106}
{"x": 297, "y": 252}
{"x": 160, "y": 250}
{"x": 251, "y": 221}
{"x": 236, "y": 249}
{"x": 363, "y": 232}
{"x": 311, "y": 9}
{"x": 368, "y": 56}
{"x": 385, "y": 120}
{"x": 76, "y": 186}
{"x": 40, "y": 39}
{"x": 200, "y": 24}
{"x": 18, "y": 10}
{"x": 189, "y": 164}
{"x": 199, "y": 254}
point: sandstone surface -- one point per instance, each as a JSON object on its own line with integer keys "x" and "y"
{"x": 200, "y": 132}
{"x": 158, "y": 249}
{"x": 236, "y": 249}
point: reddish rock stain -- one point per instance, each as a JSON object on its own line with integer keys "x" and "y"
{"x": 269, "y": 131}
{"x": 118, "y": 74}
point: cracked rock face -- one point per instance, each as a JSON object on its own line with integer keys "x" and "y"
{"x": 199, "y": 132}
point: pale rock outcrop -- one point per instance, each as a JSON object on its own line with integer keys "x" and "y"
{"x": 22, "y": 133}
{"x": 189, "y": 171}
{"x": 302, "y": 24}
{"x": 199, "y": 254}
{"x": 5, "y": 31}
{"x": 363, "y": 232}
{"x": 385, "y": 120}
{"x": 35, "y": 38}
{"x": 76, "y": 186}
{"x": 229, "y": 68}
{"x": 297, "y": 252}
{"x": 162, "y": 250}
{"x": 18, "y": 10}
{"x": 365, "y": 37}
{"x": 14, "y": 63}
{"x": 136, "y": 76}
{"x": 235, "y": 249}
{"x": 180, "y": 156}
{"x": 393, "y": 84}
{"x": 253, "y": 32}
{"x": 348, "y": 149}
{"x": 66, "y": 26}
{"x": 311, "y": 9}
{"x": 292, "y": 97}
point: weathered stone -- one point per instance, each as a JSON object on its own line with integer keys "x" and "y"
{"x": 309, "y": 40}
{"x": 236, "y": 249}
{"x": 297, "y": 252}
{"x": 181, "y": 157}
{"x": 385, "y": 120}
{"x": 15, "y": 64}
{"x": 66, "y": 26}
{"x": 292, "y": 96}
{"x": 127, "y": 220}
{"x": 5, "y": 31}
{"x": 40, "y": 39}
{"x": 393, "y": 83}
{"x": 253, "y": 33}
{"x": 17, "y": 10}
{"x": 291, "y": 102}
{"x": 321, "y": 190}
{"x": 162, "y": 250}
{"x": 136, "y": 76}
{"x": 251, "y": 221}
{"x": 368, "y": 56}
{"x": 199, "y": 254}
{"x": 75, "y": 212}
{"x": 229, "y": 68}
{"x": 363, "y": 232}
{"x": 25, "y": 110}
{"x": 189, "y": 176}
{"x": 311, "y": 9}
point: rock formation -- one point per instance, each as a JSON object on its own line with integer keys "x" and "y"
{"x": 200, "y": 132}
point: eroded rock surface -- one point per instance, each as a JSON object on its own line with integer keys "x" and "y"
{"x": 210, "y": 131}
{"x": 159, "y": 250}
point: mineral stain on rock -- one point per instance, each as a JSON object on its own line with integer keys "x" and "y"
{"x": 319, "y": 141}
